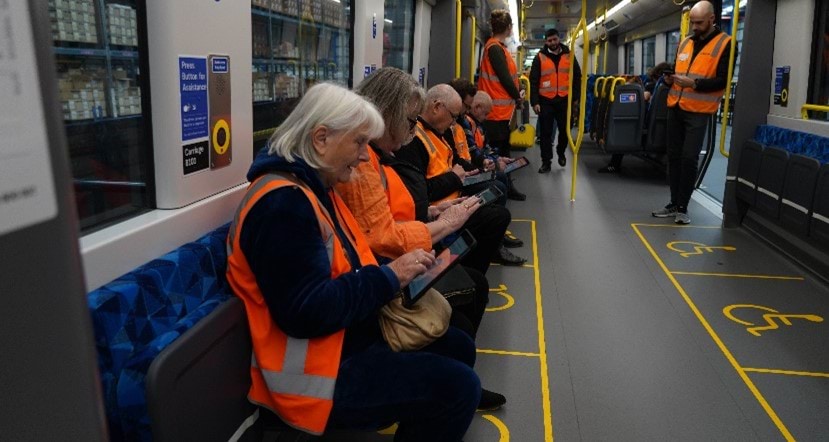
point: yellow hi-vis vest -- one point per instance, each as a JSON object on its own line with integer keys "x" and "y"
{"x": 554, "y": 81}
{"x": 440, "y": 155}
{"x": 703, "y": 66}
{"x": 502, "y": 104}
{"x": 292, "y": 377}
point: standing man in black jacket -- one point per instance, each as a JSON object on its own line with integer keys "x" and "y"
{"x": 552, "y": 71}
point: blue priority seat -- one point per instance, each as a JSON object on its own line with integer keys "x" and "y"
{"x": 750, "y": 156}
{"x": 139, "y": 314}
{"x": 798, "y": 193}
{"x": 819, "y": 224}
{"x": 770, "y": 181}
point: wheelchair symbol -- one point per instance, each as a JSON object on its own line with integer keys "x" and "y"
{"x": 770, "y": 318}
{"x": 502, "y": 290}
{"x": 688, "y": 248}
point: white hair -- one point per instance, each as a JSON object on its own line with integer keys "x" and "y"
{"x": 328, "y": 105}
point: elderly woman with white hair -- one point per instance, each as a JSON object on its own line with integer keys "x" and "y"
{"x": 312, "y": 290}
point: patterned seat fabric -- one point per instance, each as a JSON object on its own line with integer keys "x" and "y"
{"x": 806, "y": 144}
{"x": 139, "y": 314}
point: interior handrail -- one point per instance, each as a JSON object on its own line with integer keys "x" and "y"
{"x": 596, "y": 87}
{"x": 527, "y": 87}
{"x": 613, "y": 87}
{"x": 458, "y": 13}
{"x": 472, "y": 36}
{"x": 804, "y": 110}
{"x": 576, "y": 145}
{"x": 734, "y": 22}
{"x": 685, "y": 22}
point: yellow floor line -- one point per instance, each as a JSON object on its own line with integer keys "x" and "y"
{"x": 528, "y": 266}
{"x": 503, "y": 431}
{"x": 738, "y": 275}
{"x": 507, "y": 353}
{"x": 542, "y": 345}
{"x": 757, "y": 395}
{"x": 788, "y": 372}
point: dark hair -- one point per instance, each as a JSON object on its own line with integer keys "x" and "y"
{"x": 551, "y": 32}
{"x": 656, "y": 71}
{"x": 500, "y": 21}
{"x": 463, "y": 87}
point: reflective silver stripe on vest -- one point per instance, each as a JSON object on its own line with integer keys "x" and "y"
{"x": 502, "y": 102}
{"x": 252, "y": 190}
{"x": 563, "y": 70}
{"x": 689, "y": 93}
{"x": 420, "y": 131}
{"x": 696, "y": 76}
{"x": 716, "y": 52}
{"x": 547, "y": 72}
{"x": 299, "y": 384}
{"x": 683, "y": 44}
{"x": 382, "y": 172}
{"x": 486, "y": 76}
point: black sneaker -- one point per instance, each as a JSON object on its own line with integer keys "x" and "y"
{"x": 511, "y": 241}
{"x": 504, "y": 257}
{"x": 545, "y": 167}
{"x": 609, "y": 169}
{"x": 562, "y": 160}
{"x": 515, "y": 195}
{"x": 491, "y": 400}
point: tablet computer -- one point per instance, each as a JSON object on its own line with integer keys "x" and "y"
{"x": 489, "y": 195}
{"x": 517, "y": 164}
{"x": 478, "y": 178}
{"x": 448, "y": 258}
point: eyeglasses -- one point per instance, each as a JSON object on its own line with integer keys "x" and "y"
{"x": 412, "y": 122}
{"x": 454, "y": 116}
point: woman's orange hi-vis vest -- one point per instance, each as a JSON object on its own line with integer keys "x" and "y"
{"x": 479, "y": 134}
{"x": 440, "y": 155}
{"x": 704, "y": 65}
{"x": 554, "y": 81}
{"x": 400, "y": 200}
{"x": 459, "y": 136}
{"x": 292, "y": 377}
{"x": 502, "y": 104}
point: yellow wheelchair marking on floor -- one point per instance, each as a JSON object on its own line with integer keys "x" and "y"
{"x": 506, "y": 353}
{"x": 738, "y": 275}
{"x": 727, "y": 353}
{"x": 698, "y": 248}
{"x": 502, "y": 291}
{"x": 770, "y": 318}
{"x": 389, "y": 431}
{"x": 788, "y": 372}
{"x": 502, "y": 429}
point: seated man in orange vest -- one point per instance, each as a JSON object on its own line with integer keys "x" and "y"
{"x": 431, "y": 156}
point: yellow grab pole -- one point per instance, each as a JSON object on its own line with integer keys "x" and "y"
{"x": 472, "y": 36}
{"x": 576, "y": 146}
{"x": 458, "y": 13}
{"x": 685, "y": 23}
{"x": 804, "y": 110}
{"x": 734, "y": 24}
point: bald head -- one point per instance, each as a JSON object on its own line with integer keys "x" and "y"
{"x": 443, "y": 105}
{"x": 702, "y": 19}
{"x": 481, "y": 105}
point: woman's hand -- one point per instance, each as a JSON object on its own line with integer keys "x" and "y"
{"x": 458, "y": 170}
{"x": 457, "y": 215}
{"x": 412, "y": 264}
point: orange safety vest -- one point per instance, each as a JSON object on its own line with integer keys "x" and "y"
{"x": 554, "y": 81}
{"x": 704, "y": 65}
{"x": 292, "y": 377}
{"x": 502, "y": 104}
{"x": 401, "y": 203}
{"x": 459, "y": 137}
{"x": 479, "y": 134}
{"x": 440, "y": 155}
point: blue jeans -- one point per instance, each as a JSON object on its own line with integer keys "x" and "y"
{"x": 432, "y": 392}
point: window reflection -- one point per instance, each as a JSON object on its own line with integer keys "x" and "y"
{"x": 398, "y": 34}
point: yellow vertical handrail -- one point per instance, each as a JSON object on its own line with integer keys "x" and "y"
{"x": 616, "y": 80}
{"x": 598, "y": 86}
{"x": 458, "y": 13}
{"x": 606, "y": 40}
{"x": 804, "y": 110}
{"x": 735, "y": 19}
{"x": 472, "y": 38}
{"x": 685, "y": 23}
{"x": 576, "y": 146}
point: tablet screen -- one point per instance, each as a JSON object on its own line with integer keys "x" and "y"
{"x": 444, "y": 261}
{"x": 479, "y": 178}
{"x": 489, "y": 195}
{"x": 517, "y": 164}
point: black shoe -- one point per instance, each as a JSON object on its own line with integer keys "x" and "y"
{"x": 609, "y": 169}
{"x": 545, "y": 167}
{"x": 491, "y": 400}
{"x": 511, "y": 242}
{"x": 504, "y": 257}
{"x": 562, "y": 160}
{"x": 515, "y": 195}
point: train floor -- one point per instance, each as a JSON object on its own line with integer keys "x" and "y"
{"x": 622, "y": 326}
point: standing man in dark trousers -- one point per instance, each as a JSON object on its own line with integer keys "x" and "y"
{"x": 696, "y": 90}
{"x": 499, "y": 79}
{"x": 552, "y": 71}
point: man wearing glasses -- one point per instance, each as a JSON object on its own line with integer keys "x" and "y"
{"x": 552, "y": 72}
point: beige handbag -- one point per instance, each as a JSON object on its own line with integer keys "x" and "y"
{"x": 406, "y": 329}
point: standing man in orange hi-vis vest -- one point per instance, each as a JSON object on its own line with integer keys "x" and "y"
{"x": 553, "y": 69}
{"x": 696, "y": 90}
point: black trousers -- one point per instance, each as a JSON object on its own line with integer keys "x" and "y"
{"x": 467, "y": 317}
{"x": 553, "y": 115}
{"x": 497, "y": 136}
{"x": 686, "y": 133}
{"x": 488, "y": 225}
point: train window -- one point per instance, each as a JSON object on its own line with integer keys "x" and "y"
{"x": 398, "y": 34}
{"x": 819, "y": 75}
{"x": 648, "y": 53}
{"x": 630, "y": 58}
{"x": 296, "y": 44}
{"x": 672, "y": 46}
{"x": 101, "y": 51}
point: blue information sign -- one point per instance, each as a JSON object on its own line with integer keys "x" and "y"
{"x": 219, "y": 65}
{"x": 627, "y": 98}
{"x": 193, "y": 91}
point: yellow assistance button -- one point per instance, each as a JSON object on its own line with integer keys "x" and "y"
{"x": 221, "y": 136}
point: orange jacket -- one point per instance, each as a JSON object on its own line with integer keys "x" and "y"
{"x": 292, "y": 377}
{"x": 461, "y": 147}
{"x": 502, "y": 104}
{"x": 704, "y": 65}
{"x": 554, "y": 81}
{"x": 381, "y": 204}
{"x": 440, "y": 155}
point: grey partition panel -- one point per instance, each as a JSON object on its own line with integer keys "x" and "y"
{"x": 197, "y": 387}
{"x": 624, "y": 119}
{"x": 49, "y": 375}
{"x": 798, "y": 193}
{"x": 770, "y": 181}
{"x": 750, "y": 157}
{"x": 657, "y": 119}
{"x": 819, "y": 223}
